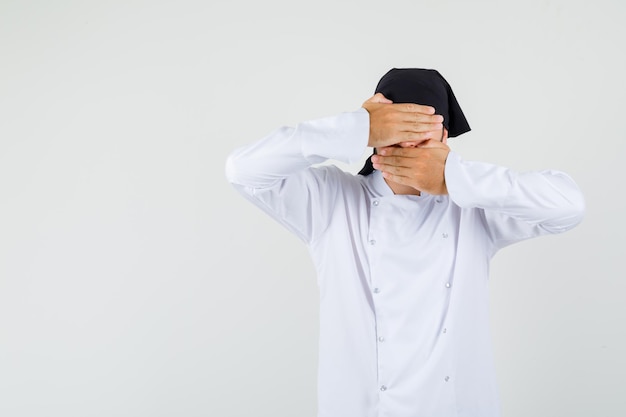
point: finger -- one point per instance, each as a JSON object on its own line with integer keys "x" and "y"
{"x": 391, "y": 161}
{"x": 415, "y": 108}
{"x": 420, "y": 127}
{"x": 417, "y": 117}
{"x": 379, "y": 98}
{"x": 400, "y": 179}
{"x": 432, "y": 143}
{"x": 427, "y": 143}
{"x": 412, "y": 121}
{"x": 419, "y": 136}
{"x": 392, "y": 169}
{"x": 394, "y": 151}
{"x": 384, "y": 150}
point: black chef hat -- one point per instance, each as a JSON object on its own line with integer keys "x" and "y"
{"x": 426, "y": 87}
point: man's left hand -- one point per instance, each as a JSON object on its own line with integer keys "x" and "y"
{"x": 421, "y": 167}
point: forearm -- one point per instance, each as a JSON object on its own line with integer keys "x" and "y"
{"x": 288, "y": 150}
{"x": 548, "y": 199}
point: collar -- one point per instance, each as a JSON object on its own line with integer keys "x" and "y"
{"x": 380, "y": 188}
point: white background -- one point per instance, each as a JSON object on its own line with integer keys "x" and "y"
{"x": 134, "y": 281}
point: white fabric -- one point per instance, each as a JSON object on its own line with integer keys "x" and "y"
{"x": 403, "y": 279}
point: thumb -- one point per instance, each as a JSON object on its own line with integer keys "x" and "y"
{"x": 379, "y": 98}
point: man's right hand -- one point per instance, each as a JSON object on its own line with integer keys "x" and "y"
{"x": 391, "y": 124}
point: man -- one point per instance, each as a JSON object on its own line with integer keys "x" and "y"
{"x": 402, "y": 249}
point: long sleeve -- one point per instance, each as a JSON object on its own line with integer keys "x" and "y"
{"x": 516, "y": 205}
{"x": 288, "y": 150}
{"x": 276, "y": 173}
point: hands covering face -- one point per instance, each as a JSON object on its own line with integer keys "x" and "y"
{"x": 421, "y": 167}
{"x": 392, "y": 124}
{"x": 410, "y": 147}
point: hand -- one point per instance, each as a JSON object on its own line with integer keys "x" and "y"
{"x": 391, "y": 124}
{"x": 421, "y": 167}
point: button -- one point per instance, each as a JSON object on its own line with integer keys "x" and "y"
{"x": 375, "y": 202}
{"x": 445, "y": 330}
{"x": 447, "y": 285}
{"x": 372, "y": 242}
{"x": 444, "y": 235}
{"x": 447, "y": 378}
{"x": 376, "y": 290}
{"x": 383, "y": 388}
{"x": 381, "y": 339}
{"x": 438, "y": 200}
